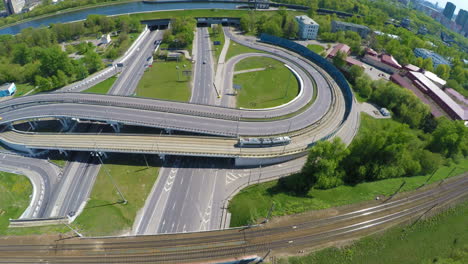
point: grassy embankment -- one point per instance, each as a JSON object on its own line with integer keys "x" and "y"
{"x": 164, "y": 81}
{"x": 103, "y": 214}
{"x": 14, "y": 198}
{"x": 244, "y": 211}
{"x": 271, "y": 87}
{"x": 236, "y": 49}
{"x": 439, "y": 239}
{"x": 316, "y": 48}
{"x": 216, "y": 37}
{"x": 102, "y": 87}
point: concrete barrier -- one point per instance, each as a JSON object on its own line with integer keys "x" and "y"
{"x": 38, "y": 222}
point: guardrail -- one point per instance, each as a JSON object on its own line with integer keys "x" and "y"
{"x": 38, "y": 222}
{"x": 336, "y": 74}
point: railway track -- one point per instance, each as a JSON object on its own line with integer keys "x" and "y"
{"x": 199, "y": 247}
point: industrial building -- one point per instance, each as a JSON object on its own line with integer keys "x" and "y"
{"x": 363, "y": 31}
{"x": 436, "y": 58}
{"x": 382, "y": 62}
{"x": 7, "y": 89}
{"x": 308, "y": 28}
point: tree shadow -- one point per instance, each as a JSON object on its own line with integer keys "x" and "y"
{"x": 103, "y": 205}
{"x": 293, "y": 185}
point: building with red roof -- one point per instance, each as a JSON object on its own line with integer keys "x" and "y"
{"x": 382, "y": 62}
{"x": 428, "y": 87}
{"x": 340, "y": 47}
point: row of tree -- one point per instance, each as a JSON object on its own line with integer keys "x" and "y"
{"x": 383, "y": 151}
{"x": 180, "y": 35}
{"x": 280, "y": 24}
{"x": 35, "y": 56}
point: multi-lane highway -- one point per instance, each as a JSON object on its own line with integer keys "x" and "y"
{"x": 82, "y": 169}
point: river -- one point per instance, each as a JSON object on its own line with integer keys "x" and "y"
{"x": 117, "y": 9}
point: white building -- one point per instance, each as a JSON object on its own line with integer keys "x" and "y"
{"x": 7, "y": 89}
{"x": 14, "y": 6}
{"x": 105, "y": 39}
{"x": 308, "y": 28}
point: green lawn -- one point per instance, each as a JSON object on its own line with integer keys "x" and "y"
{"x": 316, "y": 48}
{"x": 441, "y": 239}
{"x": 162, "y": 81}
{"x": 23, "y": 88}
{"x": 14, "y": 198}
{"x": 102, "y": 87}
{"x": 103, "y": 215}
{"x": 271, "y": 87}
{"x": 217, "y": 37}
{"x": 244, "y": 211}
{"x": 236, "y": 49}
{"x": 256, "y": 62}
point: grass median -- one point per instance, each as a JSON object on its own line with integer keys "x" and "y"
{"x": 104, "y": 214}
{"x": 236, "y": 49}
{"x": 217, "y": 35}
{"x": 244, "y": 211}
{"x": 14, "y": 198}
{"x": 439, "y": 239}
{"x": 272, "y": 86}
{"x": 102, "y": 87}
{"x": 165, "y": 81}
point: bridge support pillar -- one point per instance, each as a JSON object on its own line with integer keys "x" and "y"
{"x": 63, "y": 152}
{"x": 162, "y": 156}
{"x": 99, "y": 153}
{"x": 66, "y": 123}
{"x": 116, "y": 126}
{"x": 32, "y": 124}
{"x": 168, "y": 131}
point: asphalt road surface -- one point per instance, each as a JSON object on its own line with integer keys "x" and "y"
{"x": 43, "y": 176}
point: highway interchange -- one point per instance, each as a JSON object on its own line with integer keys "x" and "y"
{"x": 191, "y": 194}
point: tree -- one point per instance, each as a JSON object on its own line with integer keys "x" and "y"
{"x": 322, "y": 169}
{"x": 364, "y": 86}
{"x": 355, "y": 72}
{"x": 22, "y": 54}
{"x": 450, "y": 138}
{"x": 273, "y": 28}
{"x": 443, "y": 71}
{"x": 92, "y": 61}
{"x": 340, "y": 59}
{"x": 427, "y": 64}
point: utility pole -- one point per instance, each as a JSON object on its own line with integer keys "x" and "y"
{"x": 124, "y": 201}
{"x": 146, "y": 161}
{"x": 72, "y": 229}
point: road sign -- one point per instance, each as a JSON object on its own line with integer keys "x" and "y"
{"x": 236, "y": 86}
{"x": 216, "y": 42}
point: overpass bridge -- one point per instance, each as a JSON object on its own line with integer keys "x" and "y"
{"x": 318, "y": 114}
